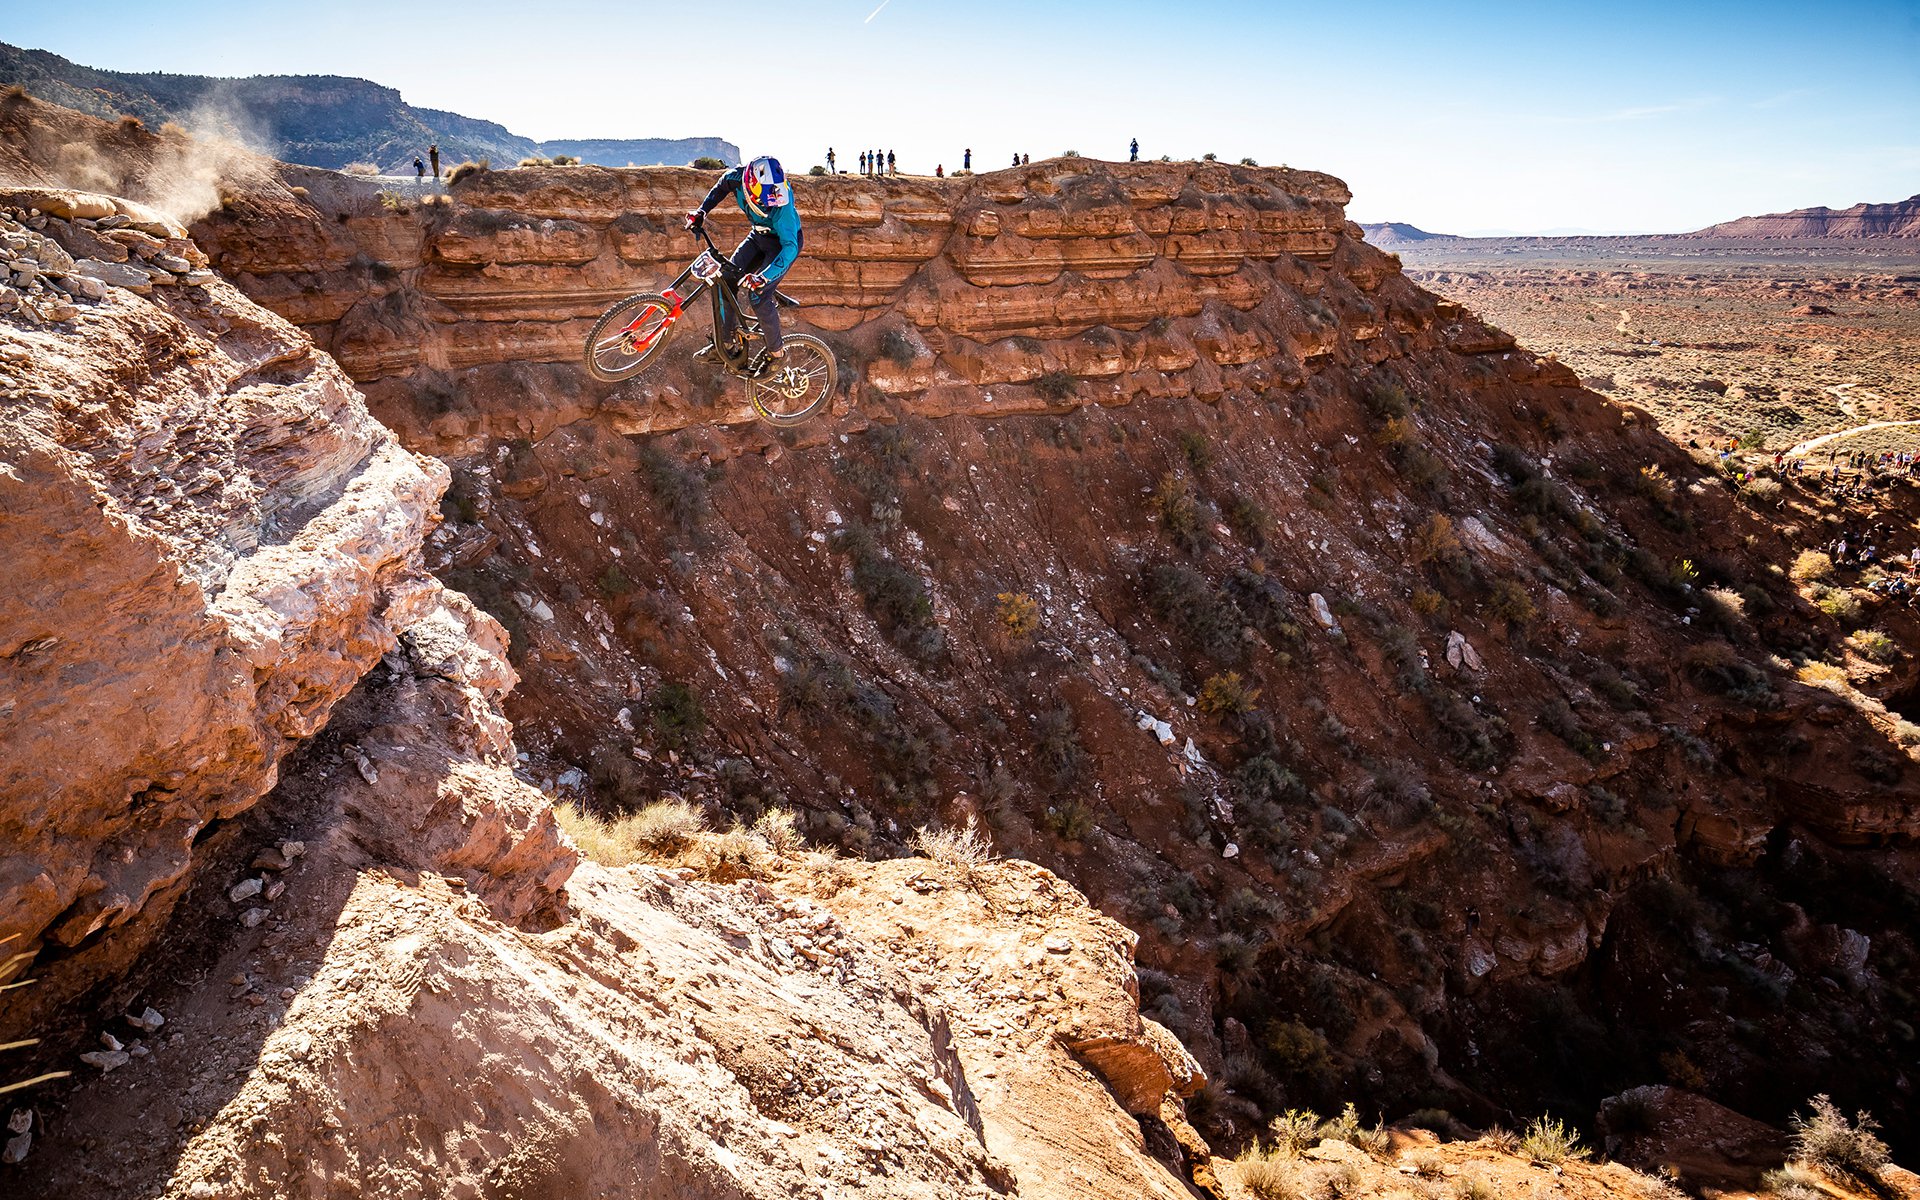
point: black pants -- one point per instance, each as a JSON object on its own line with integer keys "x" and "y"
{"x": 760, "y": 248}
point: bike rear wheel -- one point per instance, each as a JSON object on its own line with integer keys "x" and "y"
{"x": 628, "y": 336}
{"x": 801, "y": 386}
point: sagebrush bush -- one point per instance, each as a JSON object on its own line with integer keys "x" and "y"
{"x": 1843, "y": 605}
{"x": 1824, "y": 1137}
{"x": 1811, "y": 565}
{"x": 1550, "y": 1141}
{"x": 1180, "y": 512}
{"x": 965, "y": 848}
{"x": 467, "y": 170}
{"x": 1510, "y": 603}
{"x": 1874, "y": 646}
{"x": 1227, "y": 694}
{"x": 1793, "y": 1181}
{"x": 1435, "y": 541}
{"x": 1056, "y": 386}
{"x": 1347, "y": 1128}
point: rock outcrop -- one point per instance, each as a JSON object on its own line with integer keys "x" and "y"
{"x": 209, "y": 542}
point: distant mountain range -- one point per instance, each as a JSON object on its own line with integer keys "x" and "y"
{"x": 1899, "y": 219}
{"x": 321, "y": 120}
{"x": 1395, "y": 233}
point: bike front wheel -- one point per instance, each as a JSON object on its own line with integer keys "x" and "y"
{"x": 628, "y": 336}
{"x": 801, "y": 386}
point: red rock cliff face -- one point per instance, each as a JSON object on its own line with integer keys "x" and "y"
{"x": 209, "y": 542}
{"x": 1305, "y": 622}
{"x": 1192, "y": 280}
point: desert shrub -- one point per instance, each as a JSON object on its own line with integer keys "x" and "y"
{"x": 1266, "y": 1177}
{"x": 1824, "y": 1137}
{"x": 1198, "y": 614}
{"x": 1056, "y": 386}
{"x": 1558, "y": 719}
{"x": 360, "y": 168}
{"x": 467, "y": 170}
{"x": 1474, "y": 741}
{"x": 1655, "y": 484}
{"x": 1069, "y": 820}
{"x": 1811, "y": 565}
{"x": 1550, "y": 1141}
{"x": 1437, "y": 1121}
{"x": 1347, "y": 1128}
{"x": 1843, "y": 605}
{"x": 707, "y": 162}
{"x": 1762, "y": 493}
{"x": 1824, "y": 675}
{"x": 1510, "y": 603}
{"x": 1435, "y": 541}
{"x": 816, "y": 169}
{"x": 1198, "y": 450}
{"x": 1501, "y": 1140}
{"x": 1056, "y": 741}
{"x": 1297, "y": 1050}
{"x": 1261, "y": 602}
{"x": 1874, "y": 646}
{"x": 536, "y": 162}
{"x": 895, "y": 596}
{"x": 1250, "y": 521}
{"x": 1793, "y": 1181}
{"x": 1298, "y": 1129}
{"x": 1723, "y": 609}
{"x": 1385, "y": 400}
{"x": 1227, "y": 694}
{"x": 1428, "y": 1165}
{"x": 660, "y": 828}
{"x": 1180, "y": 513}
{"x": 1427, "y": 602}
{"x": 614, "y": 582}
{"x": 1018, "y": 614}
{"x": 1263, "y": 779}
{"x": 1616, "y": 689}
{"x": 898, "y": 347}
{"x": 678, "y": 718}
{"x": 679, "y": 489}
{"x": 966, "y": 848}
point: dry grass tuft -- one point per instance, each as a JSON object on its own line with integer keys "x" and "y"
{"x": 1811, "y": 565}
{"x": 656, "y": 831}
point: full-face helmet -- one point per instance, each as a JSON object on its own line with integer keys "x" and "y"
{"x": 766, "y": 184}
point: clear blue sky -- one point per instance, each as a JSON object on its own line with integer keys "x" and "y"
{"x": 1620, "y": 116}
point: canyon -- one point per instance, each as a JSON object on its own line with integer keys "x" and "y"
{"x": 1362, "y": 709}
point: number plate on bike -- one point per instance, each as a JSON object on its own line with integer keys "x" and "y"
{"x": 706, "y": 267}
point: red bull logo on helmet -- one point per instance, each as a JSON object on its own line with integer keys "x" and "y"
{"x": 765, "y": 184}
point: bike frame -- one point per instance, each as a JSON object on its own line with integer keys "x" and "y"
{"x": 713, "y": 267}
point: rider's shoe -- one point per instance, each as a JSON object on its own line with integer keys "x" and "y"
{"x": 765, "y": 363}
{"x": 709, "y": 353}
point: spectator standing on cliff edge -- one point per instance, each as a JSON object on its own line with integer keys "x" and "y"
{"x": 1133, "y": 151}
{"x": 966, "y": 160}
{"x": 433, "y": 156}
{"x": 890, "y": 167}
{"x": 830, "y": 169}
{"x": 419, "y": 170}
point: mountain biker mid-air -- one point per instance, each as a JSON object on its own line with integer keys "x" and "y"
{"x": 760, "y": 188}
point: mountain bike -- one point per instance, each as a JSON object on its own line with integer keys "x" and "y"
{"x": 630, "y": 335}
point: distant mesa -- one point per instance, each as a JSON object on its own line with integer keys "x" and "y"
{"x": 321, "y": 120}
{"x": 1899, "y": 219}
{"x": 1395, "y": 233}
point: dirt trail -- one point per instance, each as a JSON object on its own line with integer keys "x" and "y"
{"x": 1808, "y": 447}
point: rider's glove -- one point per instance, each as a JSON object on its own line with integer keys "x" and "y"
{"x": 755, "y": 283}
{"x": 696, "y": 218}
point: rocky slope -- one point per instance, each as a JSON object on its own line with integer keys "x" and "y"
{"x": 1502, "y": 730}
{"x": 385, "y": 974}
{"x": 1899, "y": 219}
